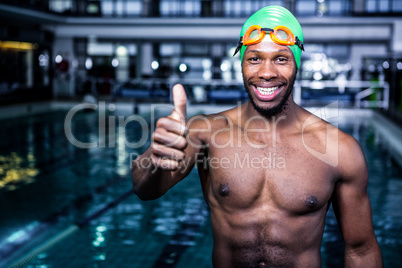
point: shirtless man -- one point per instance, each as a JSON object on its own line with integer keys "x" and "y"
{"x": 269, "y": 169}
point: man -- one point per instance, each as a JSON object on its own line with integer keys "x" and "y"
{"x": 269, "y": 169}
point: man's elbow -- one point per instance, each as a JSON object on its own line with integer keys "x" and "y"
{"x": 368, "y": 253}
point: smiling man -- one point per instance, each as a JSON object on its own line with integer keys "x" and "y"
{"x": 269, "y": 169}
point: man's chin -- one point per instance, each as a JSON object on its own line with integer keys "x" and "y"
{"x": 269, "y": 111}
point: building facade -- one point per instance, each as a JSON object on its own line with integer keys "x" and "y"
{"x": 67, "y": 48}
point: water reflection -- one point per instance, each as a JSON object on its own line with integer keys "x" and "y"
{"x": 135, "y": 230}
{"x": 99, "y": 244}
{"x": 181, "y": 220}
{"x": 16, "y": 171}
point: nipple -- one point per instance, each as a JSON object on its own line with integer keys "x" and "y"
{"x": 224, "y": 189}
{"x": 311, "y": 201}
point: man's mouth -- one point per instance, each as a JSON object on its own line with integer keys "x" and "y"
{"x": 267, "y": 90}
{"x": 267, "y": 93}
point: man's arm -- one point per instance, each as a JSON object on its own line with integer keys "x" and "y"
{"x": 352, "y": 207}
{"x": 168, "y": 160}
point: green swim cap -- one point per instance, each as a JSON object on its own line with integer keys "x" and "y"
{"x": 270, "y": 17}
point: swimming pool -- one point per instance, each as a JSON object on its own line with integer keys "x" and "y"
{"x": 51, "y": 187}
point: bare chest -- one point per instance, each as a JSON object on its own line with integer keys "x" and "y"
{"x": 286, "y": 178}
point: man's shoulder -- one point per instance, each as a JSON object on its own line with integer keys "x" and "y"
{"x": 350, "y": 149}
{"x": 323, "y": 128}
{"x": 351, "y": 163}
{"x": 342, "y": 148}
{"x": 318, "y": 127}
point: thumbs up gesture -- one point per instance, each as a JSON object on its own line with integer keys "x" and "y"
{"x": 168, "y": 140}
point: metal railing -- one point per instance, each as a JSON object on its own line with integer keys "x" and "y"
{"x": 360, "y": 93}
{"x": 360, "y": 90}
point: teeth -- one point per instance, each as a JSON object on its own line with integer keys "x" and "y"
{"x": 267, "y": 91}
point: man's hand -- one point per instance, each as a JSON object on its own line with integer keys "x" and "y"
{"x": 168, "y": 140}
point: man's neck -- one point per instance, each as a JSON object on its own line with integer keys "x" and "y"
{"x": 283, "y": 120}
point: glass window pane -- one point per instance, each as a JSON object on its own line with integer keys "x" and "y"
{"x": 119, "y": 8}
{"x": 371, "y": 6}
{"x": 384, "y": 6}
{"x": 195, "y": 49}
{"x": 337, "y": 51}
{"x": 107, "y": 8}
{"x": 164, "y": 8}
{"x": 100, "y": 49}
{"x": 167, "y": 49}
{"x": 60, "y": 6}
{"x": 313, "y": 48}
{"x": 306, "y": 7}
{"x": 133, "y": 8}
{"x": 335, "y": 8}
{"x": 397, "y": 6}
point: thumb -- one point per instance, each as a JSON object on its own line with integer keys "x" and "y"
{"x": 180, "y": 103}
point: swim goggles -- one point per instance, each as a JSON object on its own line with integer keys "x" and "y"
{"x": 280, "y": 35}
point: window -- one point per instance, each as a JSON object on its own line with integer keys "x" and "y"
{"x": 384, "y": 6}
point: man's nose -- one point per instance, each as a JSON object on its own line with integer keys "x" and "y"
{"x": 267, "y": 71}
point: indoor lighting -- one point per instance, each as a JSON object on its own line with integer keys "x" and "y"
{"x": 183, "y": 67}
{"x": 115, "y": 63}
{"x": 58, "y": 59}
{"x": 17, "y": 45}
{"x": 88, "y": 63}
{"x": 154, "y": 65}
{"x": 121, "y": 51}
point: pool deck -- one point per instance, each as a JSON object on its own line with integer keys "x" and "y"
{"x": 391, "y": 132}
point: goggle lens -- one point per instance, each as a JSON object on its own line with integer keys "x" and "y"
{"x": 254, "y": 34}
{"x": 280, "y": 35}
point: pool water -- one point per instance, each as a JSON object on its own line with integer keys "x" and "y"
{"x": 48, "y": 185}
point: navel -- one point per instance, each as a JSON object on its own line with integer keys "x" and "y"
{"x": 224, "y": 189}
{"x": 311, "y": 201}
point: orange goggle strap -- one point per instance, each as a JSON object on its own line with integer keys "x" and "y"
{"x": 292, "y": 40}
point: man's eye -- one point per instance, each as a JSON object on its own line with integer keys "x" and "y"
{"x": 282, "y": 59}
{"x": 253, "y": 59}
